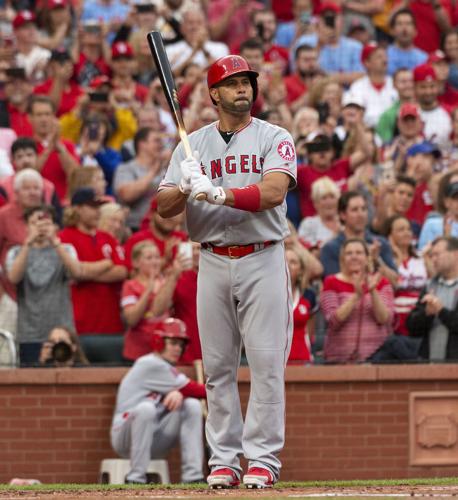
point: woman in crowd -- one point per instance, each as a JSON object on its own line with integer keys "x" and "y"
{"x": 358, "y": 306}
{"x": 318, "y": 229}
{"x": 113, "y": 221}
{"x": 62, "y": 348}
{"x": 412, "y": 270}
{"x": 301, "y": 350}
{"x": 146, "y": 298}
{"x": 450, "y": 47}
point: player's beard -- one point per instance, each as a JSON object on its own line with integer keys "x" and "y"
{"x": 238, "y": 106}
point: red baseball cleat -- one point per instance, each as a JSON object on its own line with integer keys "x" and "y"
{"x": 258, "y": 477}
{"x": 223, "y": 478}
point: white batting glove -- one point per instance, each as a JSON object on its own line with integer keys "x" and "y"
{"x": 189, "y": 167}
{"x": 202, "y": 184}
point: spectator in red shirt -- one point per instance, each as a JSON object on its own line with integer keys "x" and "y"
{"x": 162, "y": 232}
{"x": 307, "y": 71}
{"x": 60, "y": 87}
{"x": 421, "y": 159}
{"x": 18, "y": 90}
{"x": 92, "y": 56}
{"x": 357, "y": 305}
{"x": 448, "y": 96}
{"x": 56, "y": 157}
{"x": 185, "y": 304}
{"x": 146, "y": 299}
{"x": 100, "y": 327}
{"x": 432, "y": 17}
{"x": 123, "y": 68}
{"x": 322, "y": 163}
{"x": 301, "y": 349}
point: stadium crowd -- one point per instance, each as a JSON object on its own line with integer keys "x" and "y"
{"x": 367, "y": 88}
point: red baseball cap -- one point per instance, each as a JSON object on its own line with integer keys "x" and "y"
{"x": 436, "y": 56}
{"x": 23, "y": 17}
{"x": 424, "y": 73}
{"x": 328, "y": 6}
{"x": 368, "y": 49}
{"x": 56, "y": 4}
{"x": 121, "y": 49}
{"x": 408, "y": 109}
{"x": 98, "y": 81}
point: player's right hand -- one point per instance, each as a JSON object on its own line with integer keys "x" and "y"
{"x": 173, "y": 400}
{"x": 189, "y": 167}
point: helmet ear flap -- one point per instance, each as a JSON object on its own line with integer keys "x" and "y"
{"x": 157, "y": 342}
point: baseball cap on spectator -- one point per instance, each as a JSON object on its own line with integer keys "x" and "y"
{"x": 328, "y": 7}
{"x": 452, "y": 190}
{"x": 350, "y": 99}
{"x": 408, "y": 109}
{"x": 424, "y": 73}
{"x": 356, "y": 26}
{"x": 318, "y": 142}
{"x": 424, "y": 148}
{"x": 86, "y": 196}
{"x": 368, "y": 49}
{"x": 24, "y": 17}
{"x": 121, "y": 49}
{"x": 436, "y": 56}
{"x": 98, "y": 81}
{"x": 57, "y": 4}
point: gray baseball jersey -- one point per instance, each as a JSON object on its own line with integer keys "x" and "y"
{"x": 252, "y": 152}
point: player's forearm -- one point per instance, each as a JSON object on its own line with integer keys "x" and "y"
{"x": 171, "y": 202}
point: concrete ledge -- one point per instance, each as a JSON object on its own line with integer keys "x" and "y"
{"x": 305, "y": 374}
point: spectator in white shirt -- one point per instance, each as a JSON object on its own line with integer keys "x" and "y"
{"x": 196, "y": 46}
{"x": 437, "y": 122}
{"x": 29, "y": 56}
{"x": 375, "y": 90}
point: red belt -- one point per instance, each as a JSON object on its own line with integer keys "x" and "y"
{"x": 237, "y": 251}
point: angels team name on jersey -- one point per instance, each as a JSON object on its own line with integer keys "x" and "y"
{"x": 243, "y": 164}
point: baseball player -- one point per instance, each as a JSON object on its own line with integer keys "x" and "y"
{"x": 243, "y": 290}
{"x": 156, "y": 406}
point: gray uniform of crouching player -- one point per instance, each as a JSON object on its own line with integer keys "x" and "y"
{"x": 157, "y": 407}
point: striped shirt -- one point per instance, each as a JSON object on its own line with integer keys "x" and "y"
{"x": 360, "y": 335}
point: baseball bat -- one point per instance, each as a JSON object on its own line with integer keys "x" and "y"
{"x": 156, "y": 46}
{"x": 199, "y": 368}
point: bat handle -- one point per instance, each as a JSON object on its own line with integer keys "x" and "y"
{"x": 188, "y": 151}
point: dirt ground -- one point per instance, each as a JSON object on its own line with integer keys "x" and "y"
{"x": 373, "y": 492}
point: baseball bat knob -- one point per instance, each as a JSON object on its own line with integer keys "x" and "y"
{"x": 200, "y": 197}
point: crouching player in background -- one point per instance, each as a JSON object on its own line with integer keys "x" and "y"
{"x": 157, "y": 405}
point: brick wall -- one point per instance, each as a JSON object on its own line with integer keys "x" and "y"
{"x": 342, "y": 422}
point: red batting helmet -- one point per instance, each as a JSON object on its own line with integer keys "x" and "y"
{"x": 228, "y": 66}
{"x": 170, "y": 328}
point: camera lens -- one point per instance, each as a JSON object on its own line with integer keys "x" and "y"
{"x": 62, "y": 352}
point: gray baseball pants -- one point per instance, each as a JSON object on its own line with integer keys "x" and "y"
{"x": 245, "y": 300}
{"x": 150, "y": 431}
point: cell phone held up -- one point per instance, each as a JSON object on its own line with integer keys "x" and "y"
{"x": 185, "y": 251}
{"x": 93, "y": 131}
{"x": 100, "y": 97}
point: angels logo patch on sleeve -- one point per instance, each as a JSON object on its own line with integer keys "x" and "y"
{"x": 286, "y": 150}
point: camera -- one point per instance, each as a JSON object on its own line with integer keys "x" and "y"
{"x": 323, "y": 112}
{"x": 62, "y": 352}
{"x": 93, "y": 131}
{"x": 98, "y": 96}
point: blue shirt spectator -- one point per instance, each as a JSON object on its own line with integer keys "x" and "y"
{"x": 404, "y": 58}
{"x": 345, "y": 57}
